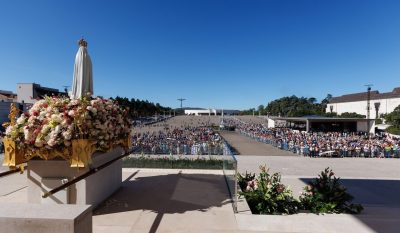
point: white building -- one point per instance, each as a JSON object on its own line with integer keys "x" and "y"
{"x": 323, "y": 124}
{"x": 28, "y": 93}
{"x": 380, "y": 103}
{"x": 210, "y": 112}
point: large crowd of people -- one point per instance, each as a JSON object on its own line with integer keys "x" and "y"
{"x": 185, "y": 140}
{"x": 318, "y": 144}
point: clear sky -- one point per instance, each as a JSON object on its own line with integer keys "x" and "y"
{"x": 224, "y": 54}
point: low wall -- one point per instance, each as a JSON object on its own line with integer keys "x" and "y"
{"x": 369, "y": 221}
{"x": 37, "y": 218}
{"x": 46, "y": 175}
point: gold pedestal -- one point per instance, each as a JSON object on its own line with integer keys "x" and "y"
{"x": 82, "y": 150}
{"x": 13, "y": 156}
{"x": 79, "y": 154}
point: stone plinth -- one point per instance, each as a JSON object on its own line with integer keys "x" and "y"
{"x": 37, "y": 218}
{"x": 45, "y": 175}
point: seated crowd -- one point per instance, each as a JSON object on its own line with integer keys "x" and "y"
{"x": 317, "y": 144}
{"x": 183, "y": 140}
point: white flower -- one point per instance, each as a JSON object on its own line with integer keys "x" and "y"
{"x": 8, "y": 130}
{"x": 71, "y": 113}
{"x": 38, "y": 142}
{"x": 27, "y": 134}
{"x": 51, "y": 142}
{"x": 67, "y": 135}
{"x": 74, "y": 102}
{"x": 57, "y": 129}
{"x": 56, "y": 118}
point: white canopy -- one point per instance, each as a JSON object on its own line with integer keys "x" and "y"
{"x": 82, "y": 83}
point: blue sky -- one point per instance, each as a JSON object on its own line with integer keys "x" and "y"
{"x": 224, "y": 54}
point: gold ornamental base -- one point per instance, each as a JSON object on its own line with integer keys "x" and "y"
{"x": 79, "y": 154}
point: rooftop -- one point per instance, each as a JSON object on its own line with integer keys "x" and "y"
{"x": 361, "y": 96}
{"x": 318, "y": 118}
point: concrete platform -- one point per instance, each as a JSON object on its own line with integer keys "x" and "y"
{"x": 155, "y": 200}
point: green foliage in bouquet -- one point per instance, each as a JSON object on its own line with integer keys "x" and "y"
{"x": 265, "y": 193}
{"x": 325, "y": 194}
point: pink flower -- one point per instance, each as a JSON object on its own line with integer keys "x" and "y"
{"x": 280, "y": 188}
{"x": 71, "y": 113}
{"x": 252, "y": 185}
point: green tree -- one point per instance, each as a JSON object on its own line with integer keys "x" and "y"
{"x": 351, "y": 115}
{"x": 140, "y": 108}
{"x": 261, "y": 109}
{"x": 293, "y": 106}
{"x": 393, "y": 118}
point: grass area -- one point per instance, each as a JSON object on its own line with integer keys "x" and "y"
{"x": 172, "y": 162}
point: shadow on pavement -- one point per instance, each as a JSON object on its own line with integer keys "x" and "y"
{"x": 380, "y": 199}
{"x": 167, "y": 194}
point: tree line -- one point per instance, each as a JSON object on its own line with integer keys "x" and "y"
{"x": 293, "y": 106}
{"x": 393, "y": 119}
{"x": 141, "y": 108}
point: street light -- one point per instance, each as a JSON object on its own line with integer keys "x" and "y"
{"x": 368, "y": 105}
{"x": 181, "y": 99}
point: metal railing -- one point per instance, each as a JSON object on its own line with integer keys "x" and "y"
{"x": 230, "y": 173}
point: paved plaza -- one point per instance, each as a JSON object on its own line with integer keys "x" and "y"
{"x": 152, "y": 200}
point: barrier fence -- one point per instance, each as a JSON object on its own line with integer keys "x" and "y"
{"x": 305, "y": 151}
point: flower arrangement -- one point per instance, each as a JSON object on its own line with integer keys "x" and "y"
{"x": 53, "y": 123}
{"x": 325, "y": 194}
{"x": 265, "y": 193}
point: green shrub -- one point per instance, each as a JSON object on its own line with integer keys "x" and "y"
{"x": 174, "y": 163}
{"x": 265, "y": 193}
{"x": 325, "y": 194}
{"x": 393, "y": 130}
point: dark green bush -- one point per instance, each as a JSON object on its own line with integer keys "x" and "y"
{"x": 265, "y": 193}
{"x": 326, "y": 194}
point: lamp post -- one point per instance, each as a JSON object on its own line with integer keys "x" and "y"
{"x": 368, "y": 105}
{"x": 181, "y": 99}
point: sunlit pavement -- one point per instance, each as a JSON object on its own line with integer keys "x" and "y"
{"x": 154, "y": 200}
